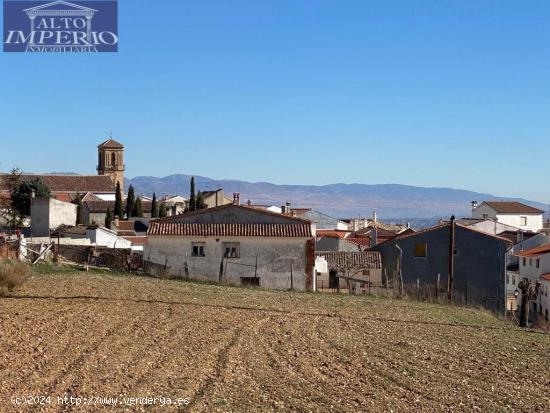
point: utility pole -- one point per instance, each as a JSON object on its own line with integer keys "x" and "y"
{"x": 452, "y": 228}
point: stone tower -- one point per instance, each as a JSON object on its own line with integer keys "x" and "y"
{"x": 111, "y": 161}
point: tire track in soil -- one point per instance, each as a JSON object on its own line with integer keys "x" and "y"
{"x": 376, "y": 379}
{"x": 340, "y": 316}
{"x": 220, "y": 366}
{"x": 53, "y": 384}
{"x": 52, "y": 354}
{"x": 122, "y": 337}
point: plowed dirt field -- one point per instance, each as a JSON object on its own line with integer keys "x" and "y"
{"x": 101, "y": 337}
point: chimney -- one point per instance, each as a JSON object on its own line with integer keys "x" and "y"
{"x": 374, "y": 217}
{"x": 474, "y": 205}
{"x": 288, "y": 207}
{"x": 248, "y": 202}
{"x": 236, "y": 198}
{"x": 283, "y": 209}
{"x": 374, "y": 237}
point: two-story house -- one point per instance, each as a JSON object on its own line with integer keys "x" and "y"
{"x": 513, "y": 213}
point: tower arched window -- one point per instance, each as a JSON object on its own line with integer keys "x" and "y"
{"x": 113, "y": 159}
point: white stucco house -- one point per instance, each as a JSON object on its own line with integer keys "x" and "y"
{"x": 104, "y": 237}
{"x": 534, "y": 264}
{"x": 514, "y": 214}
{"x": 233, "y": 244}
{"x": 49, "y": 213}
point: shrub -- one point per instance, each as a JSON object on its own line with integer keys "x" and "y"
{"x": 12, "y": 275}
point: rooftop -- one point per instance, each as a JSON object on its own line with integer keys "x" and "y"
{"x": 230, "y": 230}
{"x": 111, "y": 144}
{"x": 68, "y": 183}
{"x": 512, "y": 207}
{"x": 534, "y": 252}
{"x": 343, "y": 261}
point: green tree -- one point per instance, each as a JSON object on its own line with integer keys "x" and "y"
{"x": 154, "y": 207}
{"x": 162, "y": 210}
{"x": 79, "y": 215}
{"x": 130, "y": 202}
{"x": 192, "y": 196}
{"x": 23, "y": 192}
{"x": 12, "y": 181}
{"x": 108, "y": 218}
{"x": 138, "y": 210}
{"x": 119, "y": 211}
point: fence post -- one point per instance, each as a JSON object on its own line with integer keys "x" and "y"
{"x": 291, "y": 276}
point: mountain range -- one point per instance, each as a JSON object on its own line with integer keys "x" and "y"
{"x": 391, "y": 201}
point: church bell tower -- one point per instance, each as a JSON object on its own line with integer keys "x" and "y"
{"x": 111, "y": 161}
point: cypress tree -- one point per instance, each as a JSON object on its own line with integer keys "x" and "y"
{"x": 154, "y": 207}
{"x": 108, "y": 218}
{"x": 119, "y": 211}
{"x": 192, "y": 197}
{"x": 138, "y": 210}
{"x": 162, "y": 210}
{"x": 130, "y": 202}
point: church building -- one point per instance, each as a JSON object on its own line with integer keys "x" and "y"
{"x": 65, "y": 189}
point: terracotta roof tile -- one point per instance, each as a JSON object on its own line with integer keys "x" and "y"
{"x": 230, "y": 230}
{"x": 332, "y": 233}
{"x": 70, "y": 183}
{"x": 99, "y": 206}
{"x": 533, "y": 252}
{"x": 545, "y": 277}
{"x": 343, "y": 261}
{"x": 364, "y": 242}
{"x": 136, "y": 240}
{"x": 111, "y": 144}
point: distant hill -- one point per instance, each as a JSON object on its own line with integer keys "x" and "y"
{"x": 391, "y": 201}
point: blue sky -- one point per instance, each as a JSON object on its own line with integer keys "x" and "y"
{"x": 428, "y": 93}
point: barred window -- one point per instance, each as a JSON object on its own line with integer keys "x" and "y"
{"x": 231, "y": 250}
{"x": 197, "y": 249}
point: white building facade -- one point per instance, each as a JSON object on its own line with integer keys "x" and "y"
{"x": 515, "y": 214}
{"x": 233, "y": 244}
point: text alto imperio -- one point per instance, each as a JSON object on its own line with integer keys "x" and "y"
{"x": 61, "y": 31}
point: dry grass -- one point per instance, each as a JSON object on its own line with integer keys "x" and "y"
{"x": 236, "y": 349}
{"x": 12, "y": 275}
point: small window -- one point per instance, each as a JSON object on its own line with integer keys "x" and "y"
{"x": 524, "y": 261}
{"x": 366, "y": 272}
{"x": 530, "y": 262}
{"x": 455, "y": 252}
{"x": 513, "y": 280}
{"x": 485, "y": 216}
{"x": 197, "y": 249}
{"x": 523, "y": 221}
{"x": 231, "y": 250}
{"x": 507, "y": 278}
{"x": 251, "y": 281}
{"x": 546, "y": 314}
{"x": 421, "y": 250}
{"x": 538, "y": 263}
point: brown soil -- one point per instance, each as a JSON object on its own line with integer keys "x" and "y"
{"x": 235, "y": 349}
